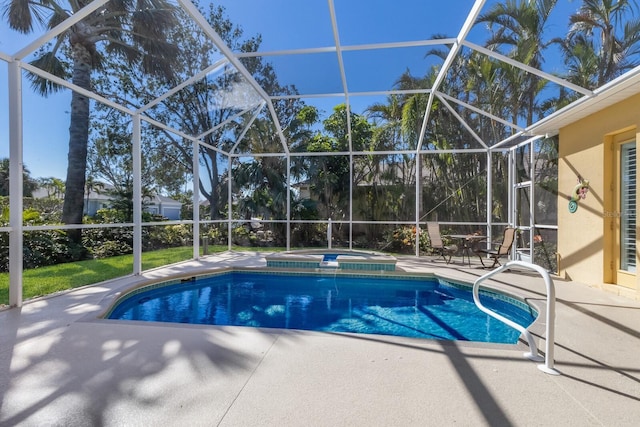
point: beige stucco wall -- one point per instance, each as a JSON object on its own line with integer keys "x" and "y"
{"x": 583, "y": 149}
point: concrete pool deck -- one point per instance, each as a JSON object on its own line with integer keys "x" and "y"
{"x": 60, "y": 365}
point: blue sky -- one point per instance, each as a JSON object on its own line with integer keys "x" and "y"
{"x": 46, "y": 120}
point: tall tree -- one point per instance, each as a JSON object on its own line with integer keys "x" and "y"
{"x": 111, "y": 163}
{"x": 214, "y": 109}
{"x": 91, "y": 185}
{"x": 28, "y": 183}
{"x": 603, "y": 41}
{"x": 261, "y": 184}
{"x": 54, "y": 186}
{"x": 132, "y": 30}
{"x": 330, "y": 174}
{"x": 452, "y": 184}
{"x": 388, "y": 176}
{"x": 518, "y": 29}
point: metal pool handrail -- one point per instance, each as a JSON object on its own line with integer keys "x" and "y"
{"x": 550, "y": 318}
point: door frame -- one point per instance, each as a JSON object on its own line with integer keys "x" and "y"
{"x": 613, "y": 214}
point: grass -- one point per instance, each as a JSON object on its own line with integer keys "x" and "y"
{"x": 61, "y": 277}
{"x": 55, "y": 278}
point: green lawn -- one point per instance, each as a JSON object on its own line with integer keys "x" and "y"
{"x": 55, "y": 278}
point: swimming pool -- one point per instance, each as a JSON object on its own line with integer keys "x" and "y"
{"x": 414, "y": 307}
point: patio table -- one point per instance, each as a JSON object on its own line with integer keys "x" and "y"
{"x": 468, "y": 243}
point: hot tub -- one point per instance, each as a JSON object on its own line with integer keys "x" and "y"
{"x": 332, "y": 259}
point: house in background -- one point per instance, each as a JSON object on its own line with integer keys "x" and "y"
{"x": 303, "y": 188}
{"x": 101, "y": 199}
{"x": 165, "y": 206}
{"x": 96, "y": 200}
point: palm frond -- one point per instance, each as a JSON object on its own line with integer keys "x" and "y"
{"x": 23, "y": 14}
{"x": 50, "y": 63}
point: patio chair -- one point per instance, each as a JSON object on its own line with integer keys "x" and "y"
{"x": 433, "y": 231}
{"x": 501, "y": 249}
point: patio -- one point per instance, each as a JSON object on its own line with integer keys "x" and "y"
{"x": 59, "y": 365}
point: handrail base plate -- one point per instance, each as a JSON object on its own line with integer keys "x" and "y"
{"x": 547, "y": 370}
{"x": 533, "y": 357}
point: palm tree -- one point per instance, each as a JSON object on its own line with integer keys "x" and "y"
{"x": 262, "y": 183}
{"x": 4, "y": 177}
{"x": 397, "y": 170}
{"x": 602, "y": 27}
{"x": 519, "y": 31}
{"x": 390, "y": 116}
{"x": 519, "y": 28}
{"x": 133, "y": 30}
{"x": 54, "y": 186}
{"x": 581, "y": 60}
{"x": 28, "y": 184}
{"x": 91, "y": 185}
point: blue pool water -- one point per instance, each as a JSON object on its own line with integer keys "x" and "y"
{"x": 413, "y": 308}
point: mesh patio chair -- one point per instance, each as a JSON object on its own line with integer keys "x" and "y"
{"x": 499, "y": 250}
{"x": 433, "y": 231}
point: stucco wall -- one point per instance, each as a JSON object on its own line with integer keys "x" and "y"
{"x": 582, "y": 151}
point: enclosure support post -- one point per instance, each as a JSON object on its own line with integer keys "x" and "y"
{"x": 137, "y": 196}
{"x": 532, "y": 198}
{"x": 195, "y": 159}
{"x": 350, "y": 198}
{"x": 418, "y": 199}
{"x": 288, "y": 201}
{"x": 489, "y": 195}
{"x": 229, "y": 204}
{"x": 512, "y": 186}
{"x": 15, "y": 185}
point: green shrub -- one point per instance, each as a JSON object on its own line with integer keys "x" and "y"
{"x": 403, "y": 240}
{"x": 167, "y": 236}
{"x": 216, "y": 235}
{"x": 40, "y": 248}
{"x": 111, "y": 248}
{"x": 107, "y": 242}
{"x": 240, "y": 235}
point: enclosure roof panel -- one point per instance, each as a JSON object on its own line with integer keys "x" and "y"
{"x": 357, "y": 51}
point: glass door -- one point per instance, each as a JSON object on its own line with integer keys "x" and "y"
{"x": 625, "y": 224}
{"x": 628, "y": 207}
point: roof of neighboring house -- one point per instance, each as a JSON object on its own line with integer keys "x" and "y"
{"x": 42, "y": 193}
{"x": 97, "y": 196}
{"x": 99, "y": 192}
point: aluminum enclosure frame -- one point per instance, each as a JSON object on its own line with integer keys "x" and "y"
{"x": 590, "y": 101}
